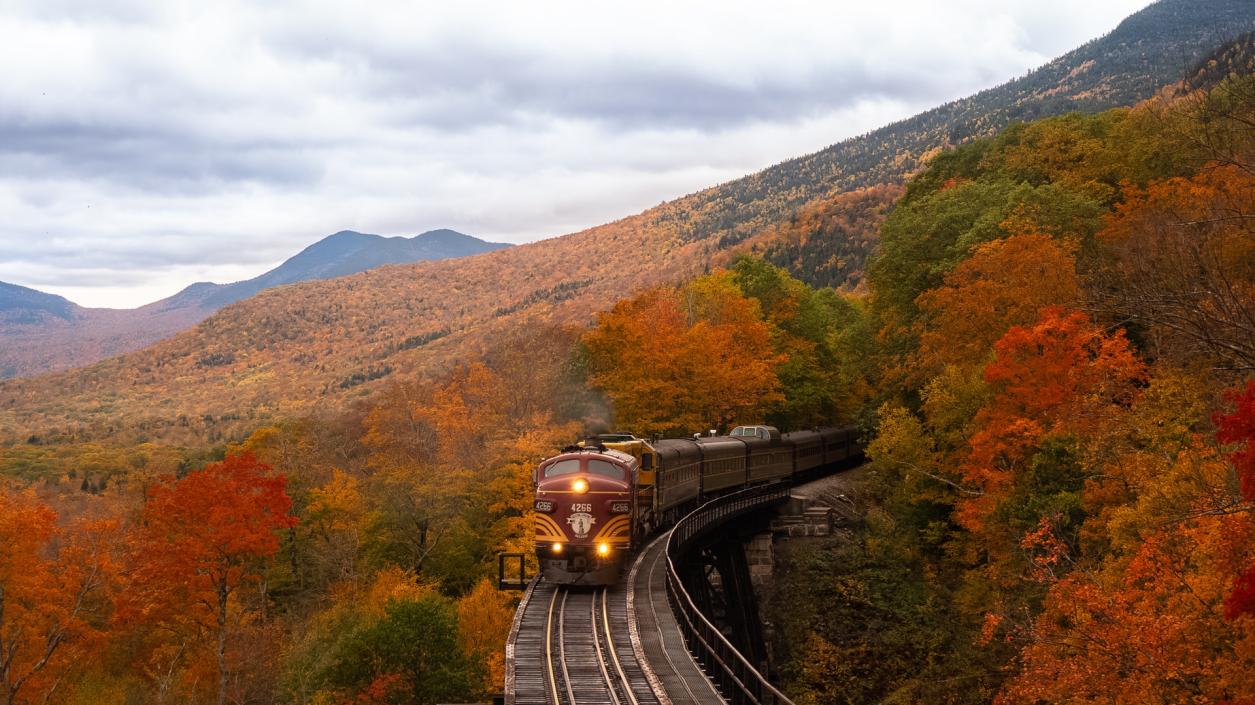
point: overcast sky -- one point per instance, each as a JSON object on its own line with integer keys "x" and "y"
{"x": 147, "y": 145}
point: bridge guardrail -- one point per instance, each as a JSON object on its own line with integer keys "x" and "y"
{"x": 733, "y": 672}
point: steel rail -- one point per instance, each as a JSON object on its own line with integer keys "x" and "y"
{"x": 662, "y": 635}
{"x": 614, "y": 655}
{"x": 601, "y": 656}
{"x": 566, "y": 674}
{"x": 577, "y": 667}
{"x": 549, "y": 672}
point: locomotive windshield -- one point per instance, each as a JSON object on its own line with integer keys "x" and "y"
{"x": 563, "y": 467}
{"x": 594, "y": 466}
{"x": 601, "y": 467}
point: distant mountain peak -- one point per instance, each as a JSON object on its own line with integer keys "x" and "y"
{"x": 27, "y": 304}
{"x": 348, "y": 252}
{"x": 447, "y": 235}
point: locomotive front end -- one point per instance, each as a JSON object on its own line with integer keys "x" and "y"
{"x": 584, "y": 515}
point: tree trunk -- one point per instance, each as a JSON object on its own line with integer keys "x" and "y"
{"x": 6, "y": 661}
{"x": 223, "y": 593}
{"x": 297, "y": 573}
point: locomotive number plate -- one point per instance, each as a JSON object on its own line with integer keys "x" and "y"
{"x": 620, "y": 507}
{"x": 581, "y": 507}
{"x": 544, "y": 505}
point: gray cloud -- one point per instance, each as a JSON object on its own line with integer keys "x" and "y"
{"x": 157, "y": 160}
{"x": 146, "y": 145}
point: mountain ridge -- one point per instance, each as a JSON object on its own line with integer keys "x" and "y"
{"x": 23, "y": 302}
{"x": 347, "y": 252}
{"x": 44, "y": 332}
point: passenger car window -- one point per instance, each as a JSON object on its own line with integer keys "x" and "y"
{"x": 563, "y": 467}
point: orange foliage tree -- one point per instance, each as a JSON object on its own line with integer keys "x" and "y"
{"x": 1004, "y": 283}
{"x": 1181, "y": 261}
{"x": 1150, "y": 630}
{"x": 484, "y": 618}
{"x": 428, "y": 444}
{"x": 1153, "y": 624}
{"x": 203, "y": 540}
{"x": 1061, "y": 375}
{"x": 690, "y": 358}
{"x": 51, "y": 601}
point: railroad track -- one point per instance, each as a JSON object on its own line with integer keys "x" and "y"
{"x": 573, "y": 648}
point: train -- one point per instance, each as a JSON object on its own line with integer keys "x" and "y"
{"x": 597, "y": 501}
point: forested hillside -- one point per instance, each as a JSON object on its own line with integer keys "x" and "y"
{"x": 318, "y": 345}
{"x": 1062, "y": 503}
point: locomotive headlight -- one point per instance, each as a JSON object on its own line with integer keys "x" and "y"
{"x": 557, "y": 548}
{"x": 603, "y": 549}
{"x": 580, "y": 485}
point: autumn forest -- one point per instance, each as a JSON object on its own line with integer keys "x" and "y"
{"x": 1045, "y": 334}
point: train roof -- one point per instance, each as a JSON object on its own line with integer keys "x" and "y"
{"x": 617, "y": 455}
{"x": 757, "y": 430}
{"x": 615, "y": 437}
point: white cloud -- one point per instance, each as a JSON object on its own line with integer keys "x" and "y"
{"x": 145, "y": 145}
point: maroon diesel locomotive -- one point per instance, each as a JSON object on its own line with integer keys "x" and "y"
{"x": 595, "y": 502}
{"x": 584, "y": 514}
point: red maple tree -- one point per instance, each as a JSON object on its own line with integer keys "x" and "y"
{"x": 1238, "y": 427}
{"x": 203, "y": 538}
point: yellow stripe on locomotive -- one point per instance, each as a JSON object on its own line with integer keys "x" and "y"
{"x": 619, "y": 527}
{"x": 547, "y": 530}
